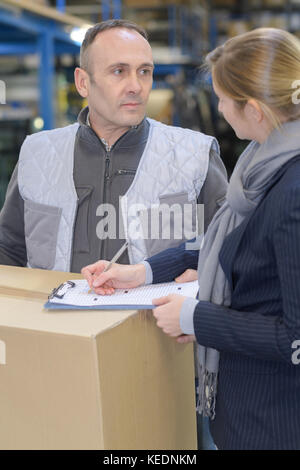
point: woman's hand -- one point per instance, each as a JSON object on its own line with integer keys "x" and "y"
{"x": 187, "y": 276}
{"x": 167, "y": 313}
{"x": 117, "y": 277}
{"x": 184, "y": 339}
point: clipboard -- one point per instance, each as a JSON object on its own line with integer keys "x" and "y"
{"x": 73, "y": 295}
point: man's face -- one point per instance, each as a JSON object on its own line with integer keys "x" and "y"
{"x": 120, "y": 78}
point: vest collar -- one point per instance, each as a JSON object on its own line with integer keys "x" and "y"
{"x": 136, "y": 135}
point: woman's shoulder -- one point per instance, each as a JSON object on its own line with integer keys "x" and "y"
{"x": 288, "y": 176}
{"x": 284, "y": 186}
{"x": 284, "y": 197}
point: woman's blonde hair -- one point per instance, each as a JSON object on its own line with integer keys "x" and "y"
{"x": 262, "y": 64}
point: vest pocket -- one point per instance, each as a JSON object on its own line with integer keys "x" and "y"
{"x": 41, "y": 224}
{"x": 169, "y": 224}
{"x": 80, "y": 235}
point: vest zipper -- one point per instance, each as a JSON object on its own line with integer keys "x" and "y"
{"x": 73, "y": 229}
{"x": 107, "y": 164}
{"x": 126, "y": 172}
{"x": 106, "y": 180}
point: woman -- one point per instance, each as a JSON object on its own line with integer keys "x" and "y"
{"x": 247, "y": 316}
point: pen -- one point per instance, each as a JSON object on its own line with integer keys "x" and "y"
{"x": 114, "y": 259}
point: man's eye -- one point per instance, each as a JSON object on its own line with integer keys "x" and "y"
{"x": 145, "y": 71}
{"x": 118, "y": 71}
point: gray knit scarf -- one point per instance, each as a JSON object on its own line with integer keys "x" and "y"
{"x": 248, "y": 185}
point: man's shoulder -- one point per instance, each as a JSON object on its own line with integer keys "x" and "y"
{"x": 53, "y": 134}
{"x": 170, "y": 128}
{"x": 177, "y": 132}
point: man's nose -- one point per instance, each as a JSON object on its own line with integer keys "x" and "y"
{"x": 134, "y": 84}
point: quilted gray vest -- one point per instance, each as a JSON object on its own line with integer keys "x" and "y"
{"x": 172, "y": 169}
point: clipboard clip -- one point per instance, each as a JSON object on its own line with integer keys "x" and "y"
{"x": 61, "y": 290}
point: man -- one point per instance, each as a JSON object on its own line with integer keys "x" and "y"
{"x": 55, "y": 214}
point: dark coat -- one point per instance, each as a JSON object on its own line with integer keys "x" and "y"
{"x": 258, "y": 399}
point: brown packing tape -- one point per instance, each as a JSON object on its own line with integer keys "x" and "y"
{"x": 36, "y": 282}
{"x": 22, "y": 294}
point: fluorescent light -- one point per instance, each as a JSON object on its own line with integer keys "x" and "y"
{"x": 77, "y": 34}
{"x": 38, "y": 123}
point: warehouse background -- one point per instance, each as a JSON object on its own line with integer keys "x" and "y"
{"x": 39, "y": 48}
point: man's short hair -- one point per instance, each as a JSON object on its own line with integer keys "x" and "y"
{"x": 93, "y": 32}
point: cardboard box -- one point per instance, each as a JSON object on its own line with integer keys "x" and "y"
{"x": 88, "y": 380}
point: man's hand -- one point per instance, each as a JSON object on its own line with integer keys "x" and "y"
{"x": 117, "y": 277}
{"x": 187, "y": 276}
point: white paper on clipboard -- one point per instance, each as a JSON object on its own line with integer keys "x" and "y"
{"x": 74, "y": 294}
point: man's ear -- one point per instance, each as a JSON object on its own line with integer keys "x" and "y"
{"x": 81, "y": 79}
{"x": 253, "y": 110}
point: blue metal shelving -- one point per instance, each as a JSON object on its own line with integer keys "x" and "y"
{"x": 26, "y": 33}
{"x": 111, "y": 9}
{"x": 23, "y": 32}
